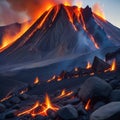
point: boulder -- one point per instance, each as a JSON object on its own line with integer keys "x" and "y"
{"x": 94, "y": 87}
{"x": 2, "y": 108}
{"x": 115, "y": 95}
{"x": 68, "y": 112}
{"x": 110, "y": 111}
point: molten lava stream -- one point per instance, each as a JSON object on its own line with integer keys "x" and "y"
{"x": 42, "y": 108}
{"x": 87, "y": 106}
{"x": 113, "y": 65}
{"x": 70, "y": 17}
{"x": 64, "y": 93}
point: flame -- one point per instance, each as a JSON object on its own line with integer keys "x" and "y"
{"x": 67, "y": 3}
{"x": 43, "y": 108}
{"x": 36, "y": 81}
{"x": 98, "y": 11}
{"x": 64, "y": 93}
{"x": 113, "y": 65}
{"x": 88, "y": 65}
{"x": 87, "y": 106}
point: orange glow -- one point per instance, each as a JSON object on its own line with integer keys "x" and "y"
{"x": 87, "y": 106}
{"x": 23, "y": 91}
{"x": 113, "y": 65}
{"x": 36, "y": 81}
{"x": 29, "y": 110}
{"x": 67, "y": 3}
{"x": 88, "y": 65}
{"x": 70, "y": 17}
{"x": 6, "y": 98}
{"x": 92, "y": 74}
{"x": 48, "y": 106}
{"x": 9, "y": 39}
{"x": 59, "y": 78}
{"x": 76, "y": 69}
{"x": 42, "y": 108}
{"x": 52, "y": 79}
{"x": 64, "y": 93}
{"x": 98, "y": 11}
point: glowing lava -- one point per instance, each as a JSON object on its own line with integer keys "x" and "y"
{"x": 113, "y": 65}
{"x": 64, "y": 93}
{"x": 88, "y": 65}
{"x": 87, "y": 106}
{"x": 42, "y": 108}
{"x": 36, "y": 81}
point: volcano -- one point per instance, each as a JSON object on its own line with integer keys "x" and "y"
{"x": 62, "y": 31}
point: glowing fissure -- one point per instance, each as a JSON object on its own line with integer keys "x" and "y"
{"x": 70, "y": 17}
{"x": 87, "y": 106}
{"x": 42, "y": 108}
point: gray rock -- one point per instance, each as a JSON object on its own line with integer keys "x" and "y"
{"x": 94, "y": 87}
{"x": 81, "y": 110}
{"x": 72, "y": 101}
{"x": 114, "y": 83}
{"x": 10, "y": 114}
{"x": 68, "y": 112}
{"x": 98, "y": 104}
{"x": 115, "y": 95}
{"x": 110, "y": 111}
{"x": 15, "y": 100}
{"x": 2, "y": 108}
{"x": 24, "y": 96}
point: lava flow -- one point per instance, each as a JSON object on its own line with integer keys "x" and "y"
{"x": 64, "y": 93}
{"x": 40, "y": 109}
{"x": 113, "y": 65}
{"x": 87, "y": 106}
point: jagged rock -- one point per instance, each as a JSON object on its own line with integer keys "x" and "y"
{"x": 99, "y": 65}
{"x": 10, "y": 114}
{"x": 115, "y": 95}
{"x": 110, "y": 111}
{"x": 68, "y": 112}
{"x": 15, "y": 100}
{"x": 94, "y": 87}
{"x": 2, "y": 108}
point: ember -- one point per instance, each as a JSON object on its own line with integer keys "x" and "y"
{"x": 87, "y": 106}
{"x": 36, "y": 81}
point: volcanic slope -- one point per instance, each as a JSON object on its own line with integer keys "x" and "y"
{"x": 61, "y": 31}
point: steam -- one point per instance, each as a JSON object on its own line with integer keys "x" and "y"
{"x": 97, "y": 9}
{"x": 12, "y": 11}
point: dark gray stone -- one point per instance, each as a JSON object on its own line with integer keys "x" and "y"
{"x": 24, "y": 96}
{"x": 10, "y": 114}
{"x": 2, "y": 108}
{"x": 98, "y": 104}
{"x": 72, "y": 101}
{"x": 94, "y": 87}
{"x": 68, "y": 112}
{"x": 15, "y": 100}
{"x": 115, "y": 95}
{"x": 114, "y": 83}
{"x": 110, "y": 111}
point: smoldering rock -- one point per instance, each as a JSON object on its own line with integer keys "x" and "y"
{"x": 94, "y": 87}
{"x": 2, "y": 107}
{"x": 68, "y": 112}
{"x": 110, "y": 111}
{"x": 115, "y": 95}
